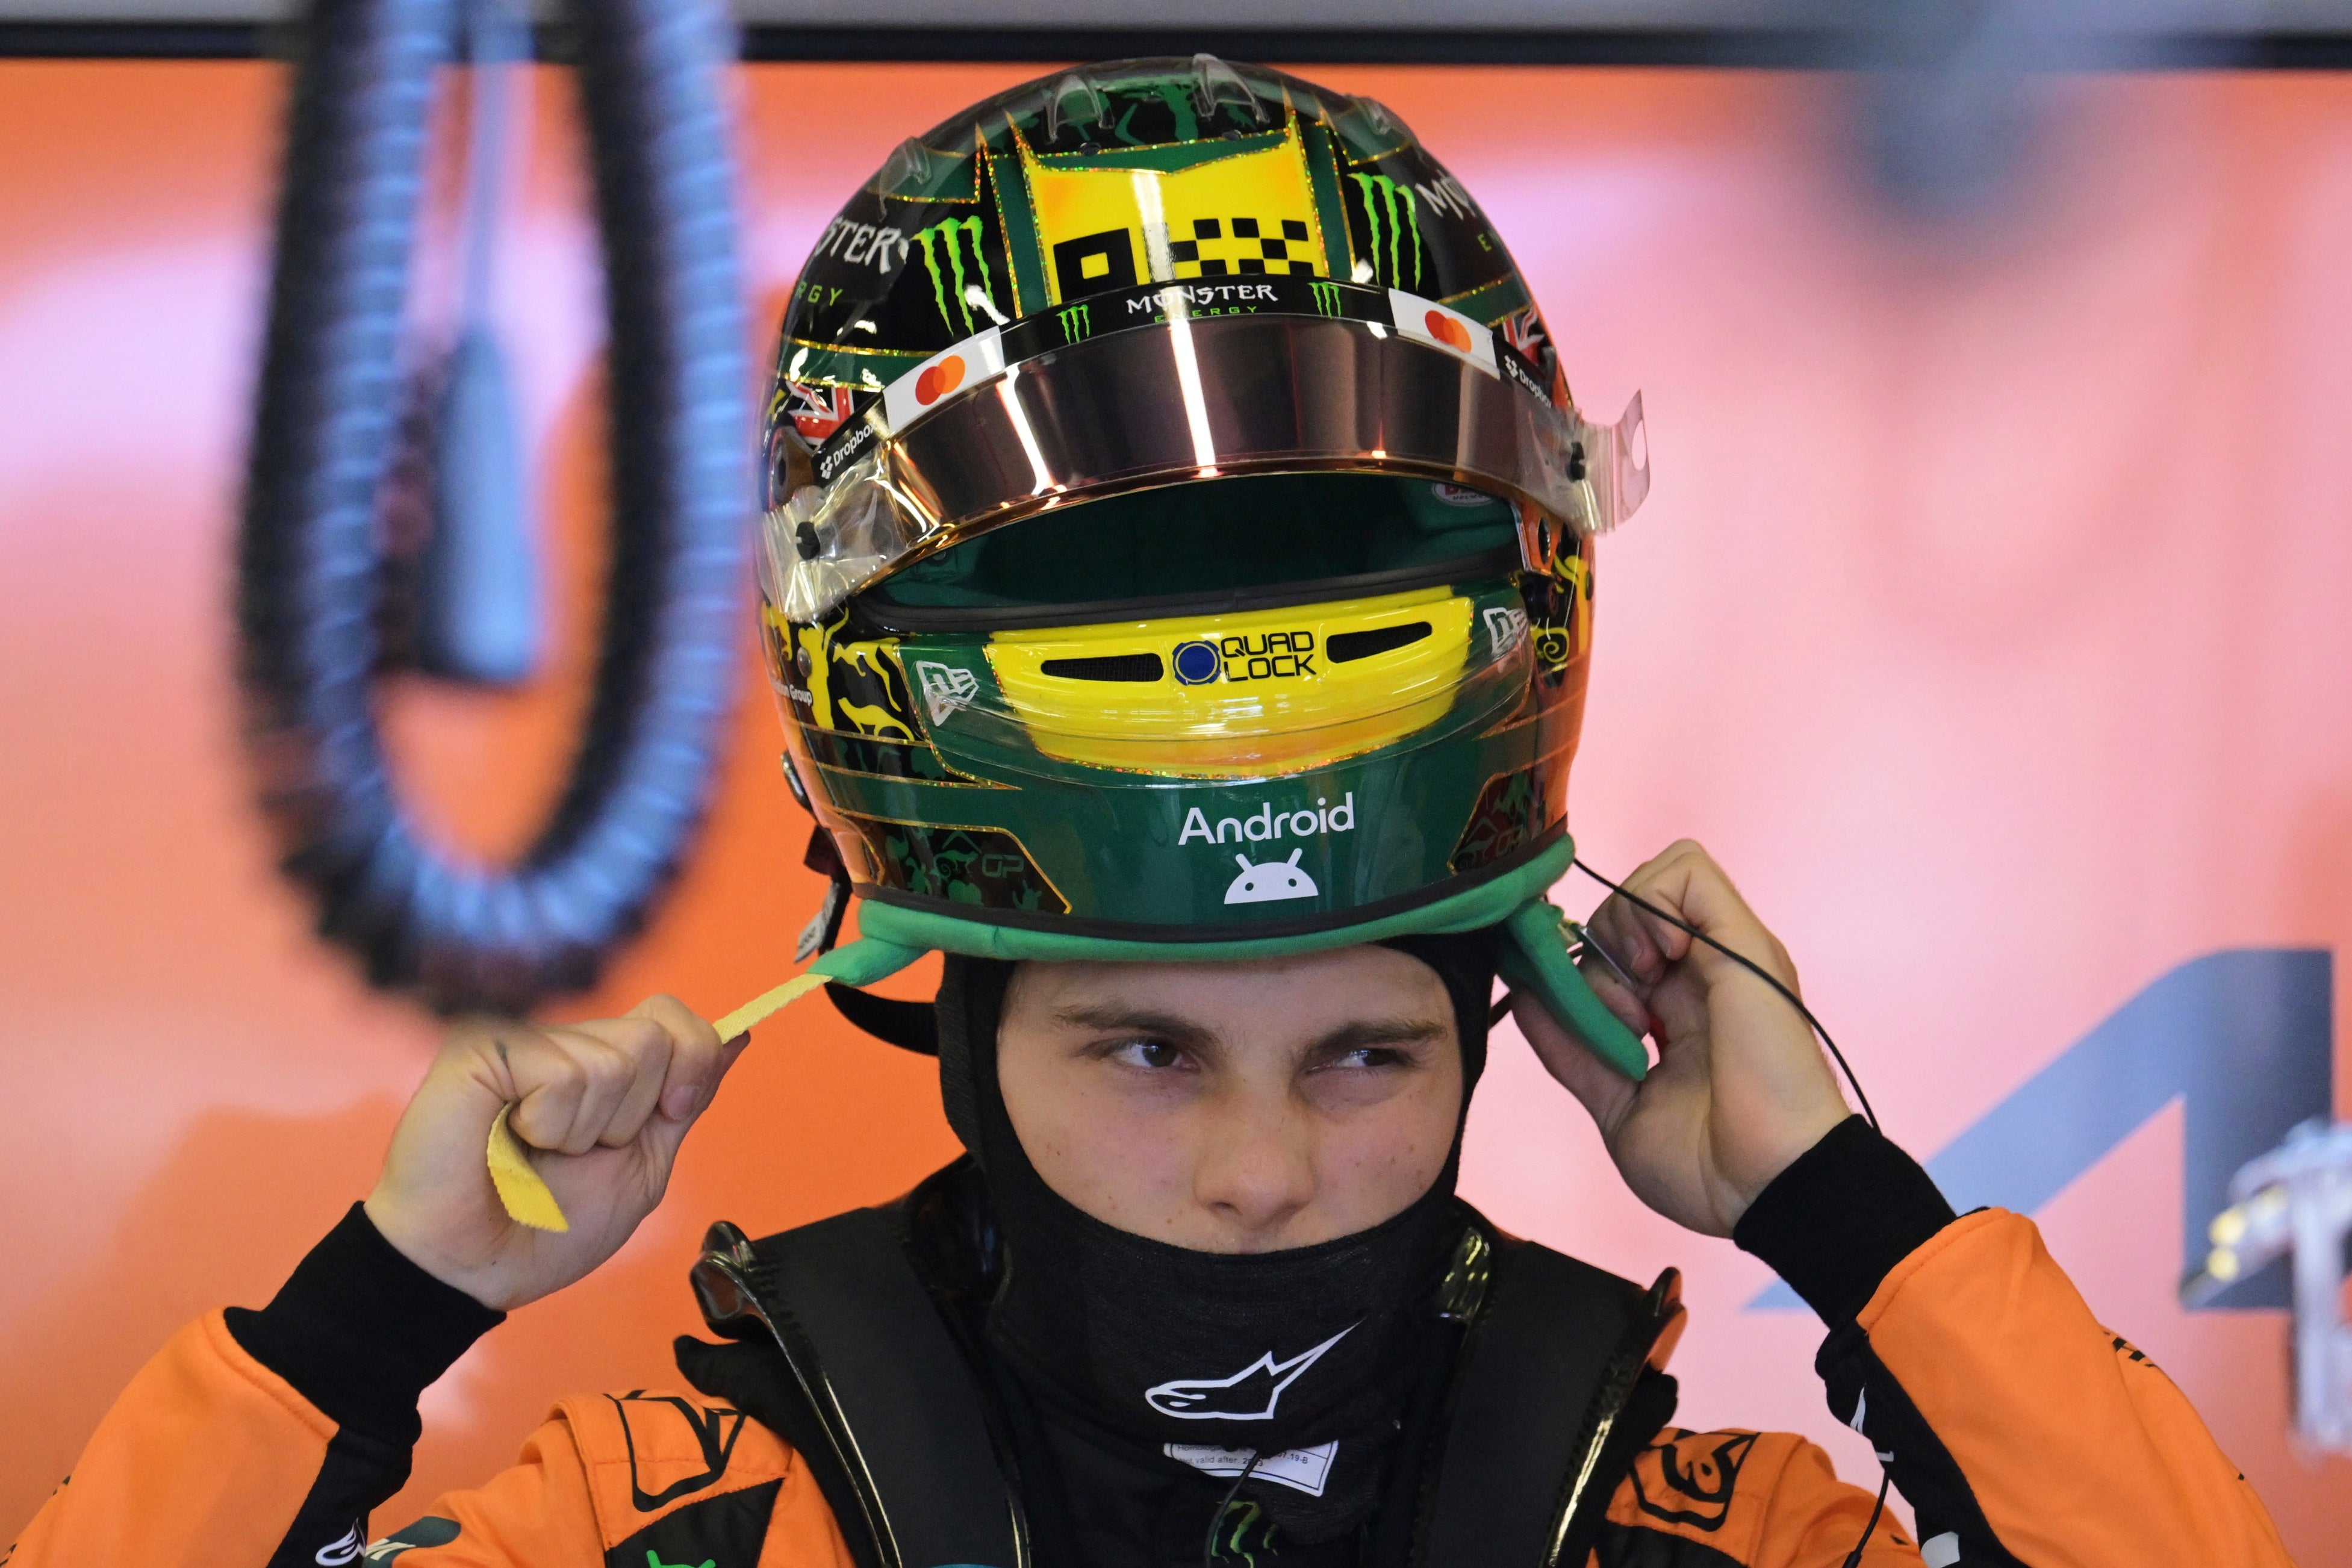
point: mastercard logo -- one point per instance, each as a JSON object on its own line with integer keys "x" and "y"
{"x": 1448, "y": 330}
{"x": 938, "y": 380}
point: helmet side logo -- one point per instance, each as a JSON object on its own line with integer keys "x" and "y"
{"x": 953, "y": 369}
{"x": 1269, "y": 882}
{"x": 1508, "y": 628}
{"x": 936, "y": 380}
{"x": 1447, "y": 331}
{"x": 945, "y": 688}
{"x": 1196, "y": 663}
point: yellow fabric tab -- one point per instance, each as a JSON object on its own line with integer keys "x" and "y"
{"x": 761, "y": 1006}
{"x": 525, "y": 1196}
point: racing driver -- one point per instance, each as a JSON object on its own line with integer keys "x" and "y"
{"x": 1176, "y": 583}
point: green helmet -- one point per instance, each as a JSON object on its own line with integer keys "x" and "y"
{"x": 1179, "y": 539}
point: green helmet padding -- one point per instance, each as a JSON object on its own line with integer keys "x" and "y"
{"x": 1534, "y": 958}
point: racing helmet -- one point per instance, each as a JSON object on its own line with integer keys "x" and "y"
{"x": 1179, "y": 540}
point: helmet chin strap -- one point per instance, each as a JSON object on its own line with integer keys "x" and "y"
{"x": 1536, "y": 960}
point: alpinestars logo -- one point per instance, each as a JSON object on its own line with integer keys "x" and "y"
{"x": 1249, "y": 1394}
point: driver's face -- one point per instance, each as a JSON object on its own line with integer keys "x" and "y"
{"x": 1234, "y": 1107}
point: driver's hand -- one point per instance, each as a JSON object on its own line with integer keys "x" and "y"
{"x": 603, "y": 1107}
{"x": 1740, "y": 1088}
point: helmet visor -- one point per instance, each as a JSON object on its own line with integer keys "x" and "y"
{"x": 1383, "y": 381}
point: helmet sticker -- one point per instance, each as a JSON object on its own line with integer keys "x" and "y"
{"x": 1275, "y": 880}
{"x": 1510, "y": 813}
{"x": 946, "y": 687}
{"x": 817, "y": 412}
{"x": 1440, "y": 326}
{"x": 1506, "y": 627}
{"x": 1266, "y": 823}
{"x": 1194, "y": 210}
{"x": 961, "y": 368}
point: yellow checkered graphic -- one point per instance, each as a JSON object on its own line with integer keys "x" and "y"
{"x": 1249, "y": 214}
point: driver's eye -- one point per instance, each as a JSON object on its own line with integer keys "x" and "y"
{"x": 1155, "y": 1054}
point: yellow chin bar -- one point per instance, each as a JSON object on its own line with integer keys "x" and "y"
{"x": 1241, "y": 694}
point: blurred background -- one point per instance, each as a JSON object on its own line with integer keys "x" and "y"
{"x": 1988, "y": 618}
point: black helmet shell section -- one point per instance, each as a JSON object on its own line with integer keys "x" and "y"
{"x": 1016, "y": 206}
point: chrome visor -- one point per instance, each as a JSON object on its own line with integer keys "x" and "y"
{"x": 1182, "y": 382}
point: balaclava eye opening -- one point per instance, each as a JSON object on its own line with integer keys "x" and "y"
{"x": 970, "y": 1006}
{"x": 1165, "y": 1351}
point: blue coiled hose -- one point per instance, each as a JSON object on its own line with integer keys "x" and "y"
{"x": 328, "y": 427}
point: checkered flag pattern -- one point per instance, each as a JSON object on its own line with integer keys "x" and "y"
{"x": 1240, "y": 235}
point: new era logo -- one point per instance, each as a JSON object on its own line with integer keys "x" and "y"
{"x": 946, "y": 687}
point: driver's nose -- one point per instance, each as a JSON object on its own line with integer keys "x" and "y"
{"x": 1255, "y": 1169}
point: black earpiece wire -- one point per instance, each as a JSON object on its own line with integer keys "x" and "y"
{"x": 1886, "y": 1476}
{"x": 1885, "y": 1480}
{"x": 1745, "y": 963}
{"x": 1217, "y": 1520}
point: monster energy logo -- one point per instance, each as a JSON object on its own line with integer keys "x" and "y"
{"x": 1392, "y": 205}
{"x": 953, "y": 237}
{"x": 1326, "y": 298}
{"x": 1078, "y": 322}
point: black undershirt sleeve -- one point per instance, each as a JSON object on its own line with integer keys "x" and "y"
{"x": 1834, "y": 1224}
{"x": 359, "y": 1332}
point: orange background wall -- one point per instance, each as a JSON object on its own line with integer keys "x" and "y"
{"x": 1987, "y": 618}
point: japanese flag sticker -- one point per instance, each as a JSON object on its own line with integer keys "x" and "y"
{"x": 944, "y": 375}
{"x": 1426, "y": 320}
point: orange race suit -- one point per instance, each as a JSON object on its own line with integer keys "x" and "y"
{"x": 2020, "y": 1430}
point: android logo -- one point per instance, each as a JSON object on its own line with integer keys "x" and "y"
{"x": 1274, "y": 879}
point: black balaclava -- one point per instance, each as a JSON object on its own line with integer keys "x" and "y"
{"x": 1139, "y": 1345}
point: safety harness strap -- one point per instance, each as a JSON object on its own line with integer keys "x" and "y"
{"x": 898, "y": 1404}
{"x": 1552, "y": 1394}
{"x": 1542, "y": 1385}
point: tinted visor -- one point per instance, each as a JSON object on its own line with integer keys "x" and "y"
{"x": 1191, "y": 398}
{"x": 1237, "y": 543}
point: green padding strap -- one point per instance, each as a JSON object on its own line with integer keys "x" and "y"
{"x": 866, "y": 961}
{"x": 1535, "y": 958}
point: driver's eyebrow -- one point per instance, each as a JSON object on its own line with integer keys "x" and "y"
{"x": 1110, "y": 1017}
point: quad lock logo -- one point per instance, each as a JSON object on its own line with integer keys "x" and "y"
{"x": 1264, "y": 656}
{"x": 1271, "y": 880}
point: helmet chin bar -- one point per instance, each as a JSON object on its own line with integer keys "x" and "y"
{"x": 1191, "y": 398}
